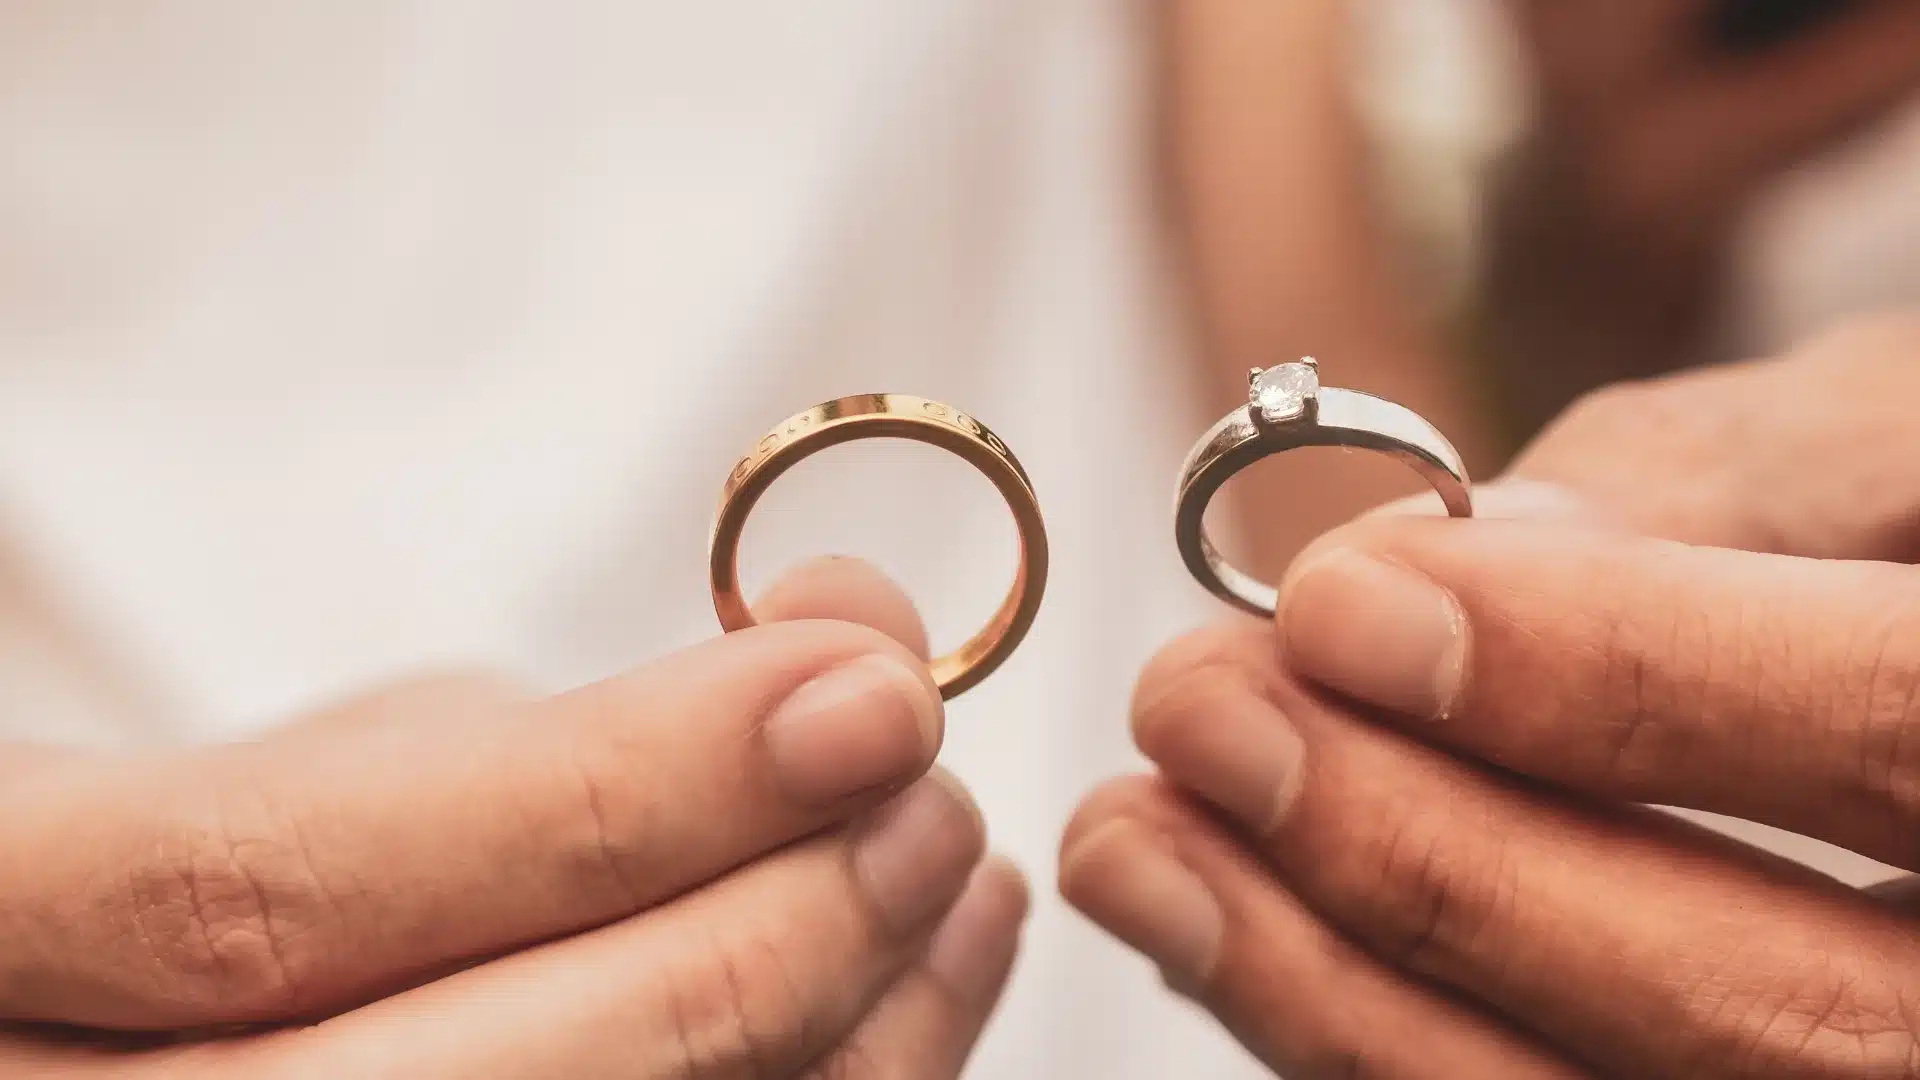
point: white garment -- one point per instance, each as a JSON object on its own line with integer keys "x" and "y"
{"x": 340, "y": 340}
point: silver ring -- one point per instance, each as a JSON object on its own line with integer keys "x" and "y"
{"x": 1287, "y": 408}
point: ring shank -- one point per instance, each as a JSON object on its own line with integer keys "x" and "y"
{"x": 1346, "y": 418}
{"x": 895, "y": 416}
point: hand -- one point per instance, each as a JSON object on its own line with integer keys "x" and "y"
{"x": 1411, "y": 848}
{"x": 705, "y": 868}
{"x": 1611, "y": 226}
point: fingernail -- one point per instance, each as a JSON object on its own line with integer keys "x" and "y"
{"x": 1128, "y": 879}
{"x": 1375, "y": 631}
{"x": 1233, "y": 747}
{"x": 917, "y": 852}
{"x": 868, "y": 723}
{"x": 974, "y": 948}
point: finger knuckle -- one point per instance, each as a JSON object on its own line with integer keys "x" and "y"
{"x": 1650, "y": 660}
{"x": 1676, "y": 679}
{"x": 1441, "y": 894}
{"x": 1349, "y": 1064}
{"x": 1819, "y": 1021}
{"x": 233, "y": 913}
{"x": 1629, "y": 685}
{"x": 606, "y": 831}
{"x": 854, "y": 1060}
{"x": 737, "y": 1010}
{"x": 1877, "y": 709}
{"x": 601, "y": 836}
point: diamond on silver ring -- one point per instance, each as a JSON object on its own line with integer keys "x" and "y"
{"x": 1284, "y": 391}
{"x": 1286, "y": 409}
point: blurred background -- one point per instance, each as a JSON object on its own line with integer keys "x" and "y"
{"x": 343, "y": 340}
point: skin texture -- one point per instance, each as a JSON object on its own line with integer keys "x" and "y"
{"x": 1396, "y": 832}
{"x": 732, "y": 861}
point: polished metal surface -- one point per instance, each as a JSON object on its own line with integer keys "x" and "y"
{"x": 1327, "y": 417}
{"x": 890, "y": 416}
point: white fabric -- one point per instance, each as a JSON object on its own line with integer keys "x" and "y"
{"x": 338, "y": 340}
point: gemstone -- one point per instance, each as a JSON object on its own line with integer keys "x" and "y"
{"x": 1281, "y": 392}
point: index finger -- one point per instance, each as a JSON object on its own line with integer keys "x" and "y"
{"x": 1806, "y": 454}
{"x": 294, "y": 876}
{"x": 1779, "y": 690}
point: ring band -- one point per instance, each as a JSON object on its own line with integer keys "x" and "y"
{"x": 1287, "y": 409}
{"x": 891, "y": 416}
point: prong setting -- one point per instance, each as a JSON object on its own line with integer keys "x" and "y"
{"x": 1284, "y": 392}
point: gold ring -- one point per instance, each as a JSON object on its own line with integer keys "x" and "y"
{"x": 890, "y": 416}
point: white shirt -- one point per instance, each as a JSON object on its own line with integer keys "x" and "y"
{"x": 341, "y": 340}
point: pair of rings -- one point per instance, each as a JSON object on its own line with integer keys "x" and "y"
{"x": 1286, "y": 409}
